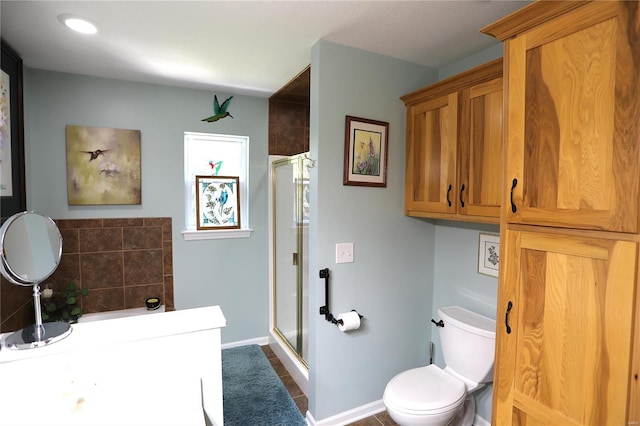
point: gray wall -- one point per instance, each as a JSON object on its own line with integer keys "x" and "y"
{"x": 390, "y": 282}
{"x": 231, "y": 273}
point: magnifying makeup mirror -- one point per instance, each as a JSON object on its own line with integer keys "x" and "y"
{"x": 30, "y": 251}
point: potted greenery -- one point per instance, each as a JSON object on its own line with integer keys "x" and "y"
{"x": 61, "y": 305}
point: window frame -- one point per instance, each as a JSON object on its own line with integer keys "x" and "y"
{"x": 190, "y": 232}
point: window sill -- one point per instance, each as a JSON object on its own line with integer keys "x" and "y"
{"x": 193, "y": 235}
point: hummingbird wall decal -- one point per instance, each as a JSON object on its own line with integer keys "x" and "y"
{"x": 95, "y": 154}
{"x": 215, "y": 167}
{"x": 219, "y": 111}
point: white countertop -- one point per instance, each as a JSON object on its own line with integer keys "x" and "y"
{"x": 115, "y": 331}
{"x": 141, "y": 370}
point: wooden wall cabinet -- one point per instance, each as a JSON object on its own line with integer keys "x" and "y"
{"x": 568, "y": 336}
{"x": 573, "y": 103}
{"x": 454, "y": 147}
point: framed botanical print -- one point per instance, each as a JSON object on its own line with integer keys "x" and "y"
{"x": 489, "y": 254}
{"x": 365, "y": 152}
{"x": 217, "y": 202}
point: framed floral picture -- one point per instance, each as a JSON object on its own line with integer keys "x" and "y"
{"x": 365, "y": 152}
{"x": 217, "y": 202}
{"x": 489, "y": 254}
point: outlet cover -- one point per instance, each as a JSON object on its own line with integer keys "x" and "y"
{"x": 344, "y": 252}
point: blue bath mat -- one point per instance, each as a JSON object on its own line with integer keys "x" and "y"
{"x": 253, "y": 394}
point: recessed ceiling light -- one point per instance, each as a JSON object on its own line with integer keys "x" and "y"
{"x": 78, "y": 23}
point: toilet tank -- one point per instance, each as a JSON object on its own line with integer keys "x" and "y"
{"x": 468, "y": 343}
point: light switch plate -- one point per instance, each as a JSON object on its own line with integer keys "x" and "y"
{"x": 344, "y": 252}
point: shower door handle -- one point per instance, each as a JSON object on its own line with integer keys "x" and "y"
{"x": 294, "y": 261}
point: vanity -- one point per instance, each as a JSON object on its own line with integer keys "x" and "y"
{"x": 158, "y": 369}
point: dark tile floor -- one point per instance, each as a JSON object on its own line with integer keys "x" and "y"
{"x": 380, "y": 419}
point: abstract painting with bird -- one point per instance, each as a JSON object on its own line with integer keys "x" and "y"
{"x": 95, "y": 154}
{"x": 219, "y": 111}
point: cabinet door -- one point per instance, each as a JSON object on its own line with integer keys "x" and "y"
{"x": 480, "y": 183}
{"x": 573, "y": 132}
{"x": 431, "y": 156}
{"x": 565, "y": 331}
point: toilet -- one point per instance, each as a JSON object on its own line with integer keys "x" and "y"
{"x": 434, "y": 396}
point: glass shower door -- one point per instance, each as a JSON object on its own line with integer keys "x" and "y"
{"x": 290, "y": 180}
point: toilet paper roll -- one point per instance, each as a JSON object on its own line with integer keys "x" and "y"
{"x": 350, "y": 321}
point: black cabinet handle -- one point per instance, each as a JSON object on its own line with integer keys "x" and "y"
{"x": 461, "y": 191}
{"x": 506, "y": 317}
{"x": 513, "y": 186}
{"x": 448, "y": 191}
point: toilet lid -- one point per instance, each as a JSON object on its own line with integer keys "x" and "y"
{"x": 424, "y": 389}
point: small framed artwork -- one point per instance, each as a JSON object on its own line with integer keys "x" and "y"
{"x": 12, "y": 169}
{"x": 365, "y": 152}
{"x": 217, "y": 202}
{"x": 489, "y": 254}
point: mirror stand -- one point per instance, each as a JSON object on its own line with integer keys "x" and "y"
{"x": 38, "y": 334}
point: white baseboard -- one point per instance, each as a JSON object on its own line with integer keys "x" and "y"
{"x": 349, "y": 416}
{"x": 261, "y": 341}
{"x": 363, "y": 412}
{"x": 479, "y": 421}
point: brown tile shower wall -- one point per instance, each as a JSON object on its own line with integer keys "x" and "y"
{"x": 288, "y": 127}
{"x": 121, "y": 262}
{"x": 289, "y": 116}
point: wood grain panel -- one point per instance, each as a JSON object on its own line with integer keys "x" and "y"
{"x": 541, "y": 159}
{"x": 481, "y": 150}
{"x": 485, "y": 182}
{"x": 431, "y": 154}
{"x": 514, "y": 126}
{"x": 573, "y": 336}
{"x": 435, "y": 132}
{"x": 508, "y": 291}
{"x": 418, "y": 155}
{"x": 579, "y": 108}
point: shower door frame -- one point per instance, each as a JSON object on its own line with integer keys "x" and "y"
{"x": 298, "y": 162}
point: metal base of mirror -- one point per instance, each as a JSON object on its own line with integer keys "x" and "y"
{"x": 28, "y": 338}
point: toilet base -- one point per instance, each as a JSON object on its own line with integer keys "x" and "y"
{"x": 441, "y": 419}
{"x": 465, "y": 416}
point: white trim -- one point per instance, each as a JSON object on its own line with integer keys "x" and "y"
{"x": 189, "y": 180}
{"x": 350, "y": 416}
{"x": 294, "y": 367}
{"x": 260, "y": 341}
{"x": 479, "y": 421}
{"x": 192, "y": 235}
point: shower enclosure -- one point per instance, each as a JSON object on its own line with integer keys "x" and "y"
{"x": 289, "y": 224}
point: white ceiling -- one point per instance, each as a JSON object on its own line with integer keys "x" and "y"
{"x": 242, "y": 47}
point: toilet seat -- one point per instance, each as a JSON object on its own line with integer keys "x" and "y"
{"x": 424, "y": 391}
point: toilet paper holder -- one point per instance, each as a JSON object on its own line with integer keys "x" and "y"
{"x": 324, "y": 310}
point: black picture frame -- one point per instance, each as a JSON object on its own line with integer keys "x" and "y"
{"x": 12, "y": 66}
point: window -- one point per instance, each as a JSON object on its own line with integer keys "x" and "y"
{"x": 221, "y": 155}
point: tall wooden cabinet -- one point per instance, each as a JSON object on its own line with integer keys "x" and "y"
{"x": 568, "y": 336}
{"x": 454, "y": 147}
